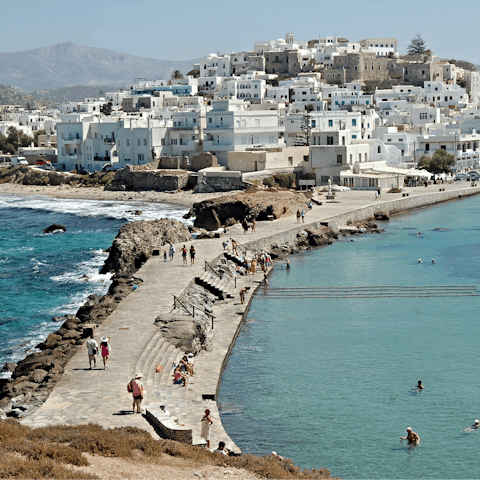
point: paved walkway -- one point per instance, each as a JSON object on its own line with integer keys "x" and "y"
{"x": 100, "y": 395}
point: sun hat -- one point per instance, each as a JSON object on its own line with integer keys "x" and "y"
{"x": 189, "y": 354}
{"x": 138, "y": 375}
{"x": 477, "y": 421}
{"x": 274, "y": 453}
{"x": 104, "y": 339}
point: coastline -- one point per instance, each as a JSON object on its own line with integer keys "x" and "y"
{"x": 179, "y": 197}
{"x": 281, "y": 234}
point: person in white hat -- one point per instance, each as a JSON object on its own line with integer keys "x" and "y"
{"x": 476, "y": 424}
{"x": 137, "y": 392}
{"x": 105, "y": 350}
{"x": 412, "y": 437}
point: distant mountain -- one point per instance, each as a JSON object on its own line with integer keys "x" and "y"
{"x": 68, "y": 64}
{"x": 9, "y": 96}
{"x": 76, "y": 93}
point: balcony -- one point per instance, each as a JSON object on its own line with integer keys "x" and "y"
{"x": 101, "y": 159}
{"x": 109, "y": 140}
{"x": 72, "y": 140}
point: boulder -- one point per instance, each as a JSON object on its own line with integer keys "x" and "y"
{"x": 203, "y": 187}
{"x": 37, "y": 376}
{"x": 382, "y": 215}
{"x": 55, "y": 227}
{"x": 9, "y": 367}
{"x": 134, "y": 244}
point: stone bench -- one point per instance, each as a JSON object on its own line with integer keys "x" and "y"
{"x": 166, "y": 427}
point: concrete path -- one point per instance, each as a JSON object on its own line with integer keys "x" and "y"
{"x": 100, "y": 396}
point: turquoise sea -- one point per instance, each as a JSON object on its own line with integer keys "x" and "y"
{"x": 42, "y": 276}
{"x": 324, "y": 367}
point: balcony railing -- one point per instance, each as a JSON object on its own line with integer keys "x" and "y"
{"x": 108, "y": 140}
{"x": 101, "y": 159}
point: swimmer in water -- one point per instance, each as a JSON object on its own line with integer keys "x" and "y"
{"x": 433, "y": 260}
{"x": 476, "y": 424}
{"x": 412, "y": 437}
{"x": 288, "y": 263}
{"x": 419, "y": 233}
{"x": 419, "y": 260}
{"x": 419, "y": 385}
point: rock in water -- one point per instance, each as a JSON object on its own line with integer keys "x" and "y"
{"x": 56, "y": 227}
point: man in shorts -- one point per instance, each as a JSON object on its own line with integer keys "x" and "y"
{"x": 92, "y": 347}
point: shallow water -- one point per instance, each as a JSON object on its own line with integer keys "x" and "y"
{"x": 43, "y": 275}
{"x": 325, "y": 376}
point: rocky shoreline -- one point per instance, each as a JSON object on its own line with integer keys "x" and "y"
{"x": 33, "y": 378}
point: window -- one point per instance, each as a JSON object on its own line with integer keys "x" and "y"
{"x": 359, "y": 157}
{"x": 330, "y": 122}
{"x": 443, "y": 147}
{"x": 144, "y": 142}
{"x": 138, "y": 142}
{"x": 354, "y": 122}
{"x": 209, "y": 119}
{"x": 354, "y": 136}
{"x": 339, "y": 159}
{"x": 96, "y": 136}
{"x": 314, "y": 123}
{"x": 379, "y": 150}
{"x": 290, "y": 160}
{"x": 329, "y": 140}
{"x": 127, "y": 142}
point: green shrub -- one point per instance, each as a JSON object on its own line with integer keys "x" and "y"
{"x": 285, "y": 180}
{"x": 269, "y": 182}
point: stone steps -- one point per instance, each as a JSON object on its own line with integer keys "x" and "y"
{"x": 218, "y": 286}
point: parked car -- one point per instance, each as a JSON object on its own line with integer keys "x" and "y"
{"x": 460, "y": 177}
{"x": 18, "y": 161}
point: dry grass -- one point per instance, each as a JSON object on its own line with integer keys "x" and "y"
{"x": 45, "y": 450}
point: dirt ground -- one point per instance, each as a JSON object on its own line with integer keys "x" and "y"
{"x": 168, "y": 468}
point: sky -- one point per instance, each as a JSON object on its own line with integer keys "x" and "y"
{"x": 188, "y": 29}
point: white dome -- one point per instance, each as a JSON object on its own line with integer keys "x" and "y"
{"x": 280, "y": 40}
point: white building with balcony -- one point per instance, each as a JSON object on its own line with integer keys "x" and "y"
{"x": 232, "y": 126}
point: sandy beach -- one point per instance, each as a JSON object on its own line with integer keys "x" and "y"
{"x": 179, "y": 197}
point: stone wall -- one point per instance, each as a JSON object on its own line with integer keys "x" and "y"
{"x": 203, "y": 160}
{"x": 226, "y": 184}
{"x": 169, "y": 162}
{"x": 166, "y": 427}
{"x": 129, "y": 178}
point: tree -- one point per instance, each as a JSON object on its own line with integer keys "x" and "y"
{"x": 440, "y": 162}
{"x": 176, "y": 75}
{"x": 463, "y": 64}
{"x": 303, "y": 138}
{"x": 417, "y": 46}
{"x": 195, "y": 73}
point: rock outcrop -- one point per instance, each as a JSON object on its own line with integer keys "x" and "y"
{"x": 215, "y": 213}
{"x": 27, "y": 175}
{"x": 134, "y": 244}
{"x": 55, "y": 227}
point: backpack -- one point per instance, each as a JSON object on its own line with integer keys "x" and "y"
{"x": 130, "y": 387}
{"x": 94, "y": 351}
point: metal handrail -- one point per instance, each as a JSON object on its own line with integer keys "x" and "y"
{"x": 244, "y": 248}
{"x": 183, "y": 301}
{"x": 220, "y": 273}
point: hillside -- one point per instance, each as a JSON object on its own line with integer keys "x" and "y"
{"x": 75, "y": 93}
{"x": 9, "y": 96}
{"x": 69, "y": 64}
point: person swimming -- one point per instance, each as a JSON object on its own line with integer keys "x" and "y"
{"x": 433, "y": 260}
{"x": 419, "y": 385}
{"x": 287, "y": 263}
{"x": 419, "y": 260}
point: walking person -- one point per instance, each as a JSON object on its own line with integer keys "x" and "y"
{"x": 136, "y": 388}
{"x": 376, "y": 194}
{"x": 254, "y": 224}
{"x": 298, "y": 216}
{"x": 92, "y": 347}
{"x": 164, "y": 255}
{"x": 225, "y": 245}
{"x": 379, "y": 191}
{"x": 171, "y": 251}
{"x": 303, "y": 215}
{"x": 184, "y": 254}
{"x": 192, "y": 255}
{"x": 105, "y": 350}
{"x": 206, "y": 424}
